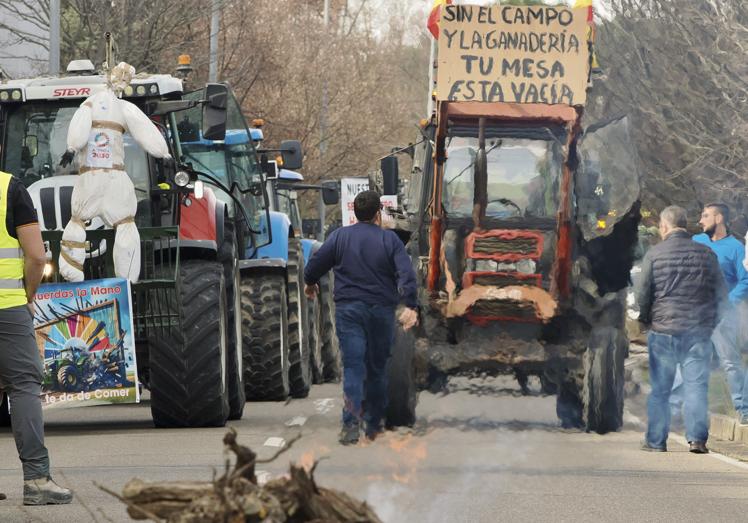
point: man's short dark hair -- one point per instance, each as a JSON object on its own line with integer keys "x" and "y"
{"x": 722, "y": 209}
{"x": 366, "y": 205}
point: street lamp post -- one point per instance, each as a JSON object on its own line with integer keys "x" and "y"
{"x": 54, "y": 37}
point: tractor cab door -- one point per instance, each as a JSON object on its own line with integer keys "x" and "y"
{"x": 234, "y": 162}
{"x": 607, "y": 177}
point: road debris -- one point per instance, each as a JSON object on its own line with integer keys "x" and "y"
{"x": 236, "y": 496}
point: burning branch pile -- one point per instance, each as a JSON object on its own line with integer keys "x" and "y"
{"x": 236, "y": 497}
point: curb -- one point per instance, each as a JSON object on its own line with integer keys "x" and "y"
{"x": 726, "y": 428}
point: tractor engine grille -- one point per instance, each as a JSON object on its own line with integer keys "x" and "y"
{"x": 517, "y": 311}
{"x": 501, "y": 279}
{"x": 496, "y": 245}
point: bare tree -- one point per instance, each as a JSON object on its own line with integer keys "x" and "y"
{"x": 678, "y": 68}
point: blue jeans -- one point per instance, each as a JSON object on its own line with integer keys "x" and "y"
{"x": 729, "y": 338}
{"x": 693, "y": 354}
{"x": 366, "y": 333}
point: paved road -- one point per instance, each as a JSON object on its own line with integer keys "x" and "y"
{"x": 480, "y": 454}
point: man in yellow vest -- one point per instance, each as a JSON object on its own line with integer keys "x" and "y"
{"x": 22, "y": 260}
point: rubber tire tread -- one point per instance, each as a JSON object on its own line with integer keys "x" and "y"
{"x": 602, "y": 393}
{"x": 187, "y": 389}
{"x": 402, "y": 392}
{"x": 315, "y": 340}
{"x": 227, "y": 256}
{"x": 264, "y": 315}
{"x": 300, "y": 374}
{"x": 331, "y": 360}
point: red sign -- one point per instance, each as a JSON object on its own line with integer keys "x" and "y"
{"x": 72, "y": 91}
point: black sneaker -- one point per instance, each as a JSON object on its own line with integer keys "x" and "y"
{"x": 697, "y": 447}
{"x": 349, "y": 434}
{"x": 649, "y": 448}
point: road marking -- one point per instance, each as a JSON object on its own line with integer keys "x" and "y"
{"x": 324, "y": 405}
{"x": 263, "y": 476}
{"x": 298, "y": 421}
{"x": 275, "y": 442}
{"x": 716, "y": 455}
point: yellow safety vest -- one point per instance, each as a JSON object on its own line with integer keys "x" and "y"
{"x": 12, "y": 292}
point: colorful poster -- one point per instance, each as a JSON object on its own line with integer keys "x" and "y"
{"x": 84, "y": 332}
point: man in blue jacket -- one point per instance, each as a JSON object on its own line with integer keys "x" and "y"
{"x": 373, "y": 274}
{"x": 731, "y": 335}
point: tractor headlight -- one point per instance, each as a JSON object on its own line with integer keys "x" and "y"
{"x": 485, "y": 265}
{"x": 182, "y": 179}
{"x": 526, "y": 266}
{"x": 129, "y": 91}
{"x": 15, "y": 94}
{"x": 140, "y": 90}
{"x": 4, "y": 96}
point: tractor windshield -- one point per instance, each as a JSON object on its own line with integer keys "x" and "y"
{"x": 522, "y": 177}
{"x": 35, "y": 139}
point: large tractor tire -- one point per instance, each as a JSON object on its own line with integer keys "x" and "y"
{"x": 300, "y": 373}
{"x": 265, "y": 336}
{"x": 228, "y": 257}
{"x": 315, "y": 340}
{"x": 602, "y": 393}
{"x": 331, "y": 363}
{"x": 188, "y": 363}
{"x": 69, "y": 378}
{"x": 402, "y": 390}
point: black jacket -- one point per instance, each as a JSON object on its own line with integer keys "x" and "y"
{"x": 681, "y": 287}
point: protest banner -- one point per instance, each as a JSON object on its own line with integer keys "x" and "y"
{"x": 84, "y": 332}
{"x": 518, "y": 54}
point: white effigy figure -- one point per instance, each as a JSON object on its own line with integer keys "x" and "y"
{"x": 103, "y": 187}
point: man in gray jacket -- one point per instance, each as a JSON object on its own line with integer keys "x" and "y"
{"x": 679, "y": 294}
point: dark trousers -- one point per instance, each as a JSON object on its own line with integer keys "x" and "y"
{"x": 21, "y": 373}
{"x": 366, "y": 333}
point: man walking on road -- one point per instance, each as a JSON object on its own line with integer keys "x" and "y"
{"x": 731, "y": 335}
{"x": 373, "y": 274}
{"x": 22, "y": 260}
{"x": 679, "y": 293}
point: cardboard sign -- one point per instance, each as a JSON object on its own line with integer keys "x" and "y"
{"x": 528, "y": 54}
{"x": 349, "y": 188}
{"x": 84, "y": 332}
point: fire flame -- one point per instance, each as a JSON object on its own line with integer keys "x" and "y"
{"x": 310, "y": 457}
{"x": 410, "y": 453}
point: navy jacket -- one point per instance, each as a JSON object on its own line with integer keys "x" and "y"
{"x": 681, "y": 287}
{"x": 370, "y": 265}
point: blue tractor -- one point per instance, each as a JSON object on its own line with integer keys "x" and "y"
{"x": 289, "y": 343}
{"x": 323, "y": 350}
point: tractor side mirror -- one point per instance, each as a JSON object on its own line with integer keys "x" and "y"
{"x": 292, "y": 154}
{"x": 390, "y": 175}
{"x": 214, "y": 111}
{"x": 330, "y": 194}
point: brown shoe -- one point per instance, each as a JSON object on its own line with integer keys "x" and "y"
{"x": 697, "y": 447}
